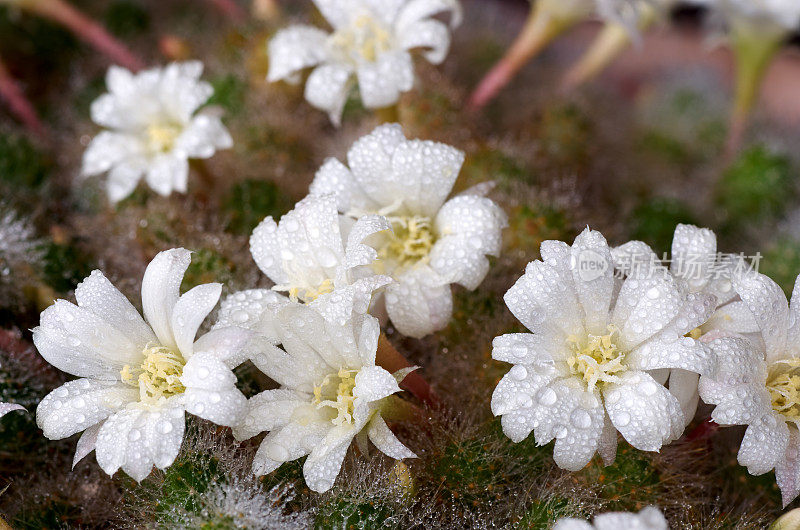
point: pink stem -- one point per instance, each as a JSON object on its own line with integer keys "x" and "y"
{"x": 392, "y": 360}
{"x": 18, "y": 103}
{"x": 86, "y": 29}
{"x": 230, "y": 9}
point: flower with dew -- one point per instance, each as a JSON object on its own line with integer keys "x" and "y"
{"x": 137, "y": 377}
{"x": 154, "y": 128}
{"x": 701, "y": 270}
{"x": 5, "y": 408}
{"x": 758, "y": 385}
{"x": 434, "y": 242}
{"x": 649, "y": 518}
{"x": 330, "y": 392}
{"x": 371, "y": 40}
{"x": 307, "y": 258}
{"x": 584, "y": 372}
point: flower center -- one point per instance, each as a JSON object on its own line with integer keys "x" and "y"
{"x": 784, "y": 387}
{"x": 596, "y": 359}
{"x": 307, "y": 294}
{"x": 161, "y": 136}
{"x": 363, "y": 40}
{"x": 410, "y": 241}
{"x": 336, "y": 392}
{"x": 158, "y": 376}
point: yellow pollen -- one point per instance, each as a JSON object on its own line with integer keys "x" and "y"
{"x": 596, "y": 359}
{"x": 161, "y": 136}
{"x": 309, "y": 294}
{"x": 784, "y": 387}
{"x": 338, "y": 396}
{"x": 159, "y": 374}
{"x": 410, "y": 241}
{"x": 363, "y": 40}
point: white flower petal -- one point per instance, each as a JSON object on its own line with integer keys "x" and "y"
{"x": 266, "y": 250}
{"x": 430, "y": 34}
{"x": 189, "y": 312}
{"x": 269, "y": 410}
{"x": 295, "y": 48}
{"x": 694, "y": 252}
{"x": 734, "y": 317}
{"x": 416, "y": 10}
{"x": 594, "y": 286}
{"x": 523, "y": 348}
{"x": 167, "y": 173}
{"x": 108, "y": 149}
{"x": 582, "y": 418}
{"x": 419, "y": 302}
{"x": 642, "y": 410}
{"x": 607, "y": 445}
{"x": 98, "y": 295}
{"x": 768, "y": 305}
{"x": 211, "y": 391}
{"x": 681, "y": 352}
{"x": 327, "y": 88}
{"x": 203, "y": 136}
{"x": 161, "y": 289}
{"x": 683, "y": 385}
{"x": 291, "y": 442}
{"x": 380, "y": 83}
{"x": 180, "y": 90}
{"x": 385, "y": 440}
{"x": 356, "y": 252}
{"x": 79, "y": 342}
{"x": 113, "y": 449}
{"x": 787, "y": 471}
{"x": 741, "y": 405}
{"x": 324, "y": 463}
{"x": 571, "y": 523}
{"x": 163, "y": 435}
{"x": 764, "y": 444}
{"x": 374, "y": 383}
{"x": 5, "y": 408}
{"x": 252, "y": 310}
{"x": 334, "y": 177}
{"x": 370, "y": 161}
{"x": 123, "y": 178}
{"x": 79, "y": 404}
{"x": 654, "y": 300}
{"x": 474, "y": 216}
{"x": 86, "y": 443}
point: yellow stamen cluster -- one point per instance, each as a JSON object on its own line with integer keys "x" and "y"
{"x": 411, "y": 240}
{"x": 161, "y": 136}
{"x": 363, "y": 40}
{"x": 159, "y": 374}
{"x": 309, "y": 294}
{"x": 338, "y": 396}
{"x": 596, "y": 359}
{"x": 784, "y": 388}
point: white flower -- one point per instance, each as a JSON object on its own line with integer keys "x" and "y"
{"x": 137, "y": 378}
{"x": 5, "y": 408}
{"x": 583, "y": 373}
{"x": 154, "y": 128}
{"x": 305, "y": 255}
{"x": 649, "y": 518}
{"x": 331, "y": 392}
{"x": 703, "y": 271}
{"x": 371, "y": 41}
{"x": 760, "y": 386}
{"x": 434, "y": 243}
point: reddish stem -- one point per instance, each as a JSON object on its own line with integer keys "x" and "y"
{"x": 19, "y": 105}
{"x": 86, "y": 29}
{"x": 392, "y": 360}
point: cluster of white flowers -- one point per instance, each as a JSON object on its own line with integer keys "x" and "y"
{"x": 649, "y": 518}
{"x": 318, "y": 341}
{"x": 371, "y": 41}
{"x": 634, "y": 354}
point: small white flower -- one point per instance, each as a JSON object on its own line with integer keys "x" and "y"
{"x": 5, "y": 408}
{"x": 434, "y": 243}
{"x": 760, "y": 386}
{"x": 371, "y": 41}
{"x": 584, "y": 374}
{"x": 305, "y": 255}
{"x": 331, "y": 392}
{"x": 154, "y": 128}
{"x": 703, "y": 271}
{"x": 649, "y": 518}
{"x": 138, "y": 378}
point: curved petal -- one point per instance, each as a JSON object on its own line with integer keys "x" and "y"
{"x": 593, "y": 276}
{"x": 324, "y": 463}
{"x": 430, "y": 34}
{"x": 380, "y": 83}
{"x": 266, "y": 250}
{"x": 203, "y": 136}
{"x": 419, "y": 302}
{"x": 269, "y": 410}
{"x": 334, "y": 177}
{"x": 123, "y": 178}
{"x": 211, "y": 391}
{"x": 228, "y": 344}
{"x": 582, "y": 419}
{"x": 86, "y": 443}
{"x": 787, "y": 471}
{"x": 654, "y": 301}
{"x": 295, "y": 48}
{"x": 374, "y": 383}
{"x": 356, "y": 252}
{"x": 291, "y": 442}
{"x": 327, "y": 88}
{"x": 523, "y": 348}
{"x": 160, "y": 291}
{"x": 189, "y": 312}
{"x": 682, "y": 352}
{"x": 370, "y": 161}
{"x": 385, "y": 440}
{"x": 694, "y": 253}
{"x": 98, "y": 295}
{"x": 514, "y": 397}
{"x": 479, "y": 218}
{"x": 416, "y": 10}
{"x": 764, "y": 444}
{"x": 163, "y": 436}
{"x": 168, "y": 172}
{"x": 767, "y": 303}
{"x": 5, "y": 408}
{"x": 108, "y": 149}
{"x": 252, "y": 310}
{"x": 643, "y": 411}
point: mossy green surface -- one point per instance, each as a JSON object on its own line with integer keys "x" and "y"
{"x": 654, "y": 221}
{"x": 126, "y": 18}
{"x": 781, "y": 262}
{"x": 21, "y": 164}
{"x": 247, "y": 203}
